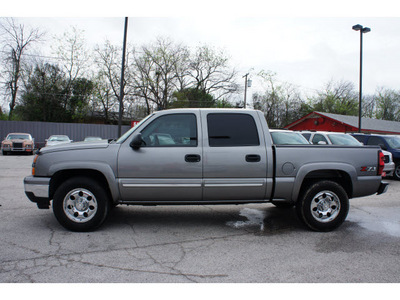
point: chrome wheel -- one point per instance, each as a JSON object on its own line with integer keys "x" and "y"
{"x": 80, "y": 205}
{"x": 325, "y": 206}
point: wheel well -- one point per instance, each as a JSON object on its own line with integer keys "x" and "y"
{"x": 337, "y": 176}
{"x": 61, "y": 176}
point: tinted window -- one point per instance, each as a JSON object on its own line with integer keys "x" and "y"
{"x": 319, "y": 138}
{"x": 229, "y": 130}
{"x": 307, "y": 135}
{"x": 177, "y": 130}
{"x": 375, "y": 140}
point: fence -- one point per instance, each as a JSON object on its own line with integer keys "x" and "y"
{"x": 76, "y": 132}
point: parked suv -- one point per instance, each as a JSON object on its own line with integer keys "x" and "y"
{"x": 389, "y": 143}
{"x": 17, "y": 142}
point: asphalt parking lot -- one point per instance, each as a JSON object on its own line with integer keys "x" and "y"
{"x": 211, "y": 244}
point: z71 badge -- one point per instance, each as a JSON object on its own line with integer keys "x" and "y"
{"x": 368, "y": 169}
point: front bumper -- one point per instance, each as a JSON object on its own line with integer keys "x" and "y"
{"x": 383, "y": 187}
{"x": 37, "y": 190}
{"x": 389, "y": 169}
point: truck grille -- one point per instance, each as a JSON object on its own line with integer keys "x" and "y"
{"x": 17, "y": 145}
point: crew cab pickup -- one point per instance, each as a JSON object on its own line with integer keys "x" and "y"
{"x": 202, "y": 156}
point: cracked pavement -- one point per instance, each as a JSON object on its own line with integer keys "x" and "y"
{"x": 210, "y": 244}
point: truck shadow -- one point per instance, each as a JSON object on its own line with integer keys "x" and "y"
{"x": 258, "y": 219}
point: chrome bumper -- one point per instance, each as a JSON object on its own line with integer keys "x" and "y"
{"x": 37, "y": 190}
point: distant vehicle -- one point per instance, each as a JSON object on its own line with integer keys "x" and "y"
{"x": 389, "y": 143}
{"x": 18, "y": 142}
{"x": 57, "y": 140}
{"x": 287, "y": 137}
{"x": 343, "y": 139}
{"x": 92, "y": 138}
{"x": 330, "y": 138}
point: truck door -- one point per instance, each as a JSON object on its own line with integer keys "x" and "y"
{"x": 168, "y": 167}
{"x": 235, "y": 162}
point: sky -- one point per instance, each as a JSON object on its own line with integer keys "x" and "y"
{"x": 306, "y": 43}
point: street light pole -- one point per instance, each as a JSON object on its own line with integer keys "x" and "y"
{"x": 362, "y": 30}
{"x": 245, "y": 88}
{"x": 121, "y": 90}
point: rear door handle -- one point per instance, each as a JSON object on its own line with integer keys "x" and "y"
{"x": 192, "y": 158}
{"x": 253, "y": 158}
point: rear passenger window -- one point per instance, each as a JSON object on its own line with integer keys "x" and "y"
{"x": 232, "y": 130}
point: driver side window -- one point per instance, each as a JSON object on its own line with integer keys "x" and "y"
{"x": 177, "y": 130}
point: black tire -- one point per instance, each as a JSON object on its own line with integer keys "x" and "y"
{"x": 81, "y": 204}
{"x": 323, "y": 206}
{"x": 4, "y": 152}
{"x": 396, "y": 173}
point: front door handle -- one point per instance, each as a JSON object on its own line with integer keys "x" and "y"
{"x": 253, "y": 158}
{"x": 192, "y": 158}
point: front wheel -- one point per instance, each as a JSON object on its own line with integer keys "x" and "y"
{"x": 81, "y": 204}
{"x": 323, "y": 206}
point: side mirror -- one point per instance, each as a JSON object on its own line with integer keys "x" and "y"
{"x": 137, "y": 142}
{"x": 321, "y": 143}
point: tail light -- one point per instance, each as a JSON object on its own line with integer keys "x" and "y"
{"x": 381, "y": 162}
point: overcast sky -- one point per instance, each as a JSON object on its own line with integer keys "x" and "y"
{"x": 307, "y": 43}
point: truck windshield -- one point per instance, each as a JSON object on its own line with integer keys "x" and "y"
{"x": 130, "y": 131}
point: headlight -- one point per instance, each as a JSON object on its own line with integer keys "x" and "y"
{"x": 5, "y": 145}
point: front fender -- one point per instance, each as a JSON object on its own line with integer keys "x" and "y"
{"x": 103, "y": 168}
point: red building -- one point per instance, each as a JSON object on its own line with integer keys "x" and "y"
{"x": 318, "y": 121}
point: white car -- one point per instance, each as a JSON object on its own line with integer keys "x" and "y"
{"x": 57, "y": 140}
{"x": 287, "y": 137}
{"x": 340, "y": 138}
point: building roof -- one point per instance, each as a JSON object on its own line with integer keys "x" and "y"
{"x": 367, "y": 124}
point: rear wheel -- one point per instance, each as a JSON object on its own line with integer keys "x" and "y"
{"x": 396, "y": 172}
{"x": 323, "y": 206}
{"x": 81, "y": 204}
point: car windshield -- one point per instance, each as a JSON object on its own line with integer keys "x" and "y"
{"x": 393, "y": 141}
{"x": 58, "y": 138}
{"x": 18, "y": 137}
{"x": 343, "y": 139}
{"x": 288, "y": 138}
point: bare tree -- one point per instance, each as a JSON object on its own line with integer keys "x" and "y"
{"x": 160, "y": 69}
{"x": 108, "y": 61}
{"x": 15, "y": 41}
{"x": 72, "y": 52}
{"x": 211, "y": 73}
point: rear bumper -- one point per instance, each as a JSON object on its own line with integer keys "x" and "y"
{"x": 383, "y": 187}
{"x": 37, "y": 190}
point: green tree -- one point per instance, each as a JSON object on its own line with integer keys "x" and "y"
{"x": 49, "y": 97}
{"x": 193, "y": 98}
{"x": 337, "y": 98}
{"x": 387, "y": 104}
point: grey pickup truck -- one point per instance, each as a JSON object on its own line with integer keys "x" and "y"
{"x": 202, "y": 156}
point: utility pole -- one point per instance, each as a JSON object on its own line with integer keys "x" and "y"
{"x": 121, "y": 91}
{"x": 245, "y": 88}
